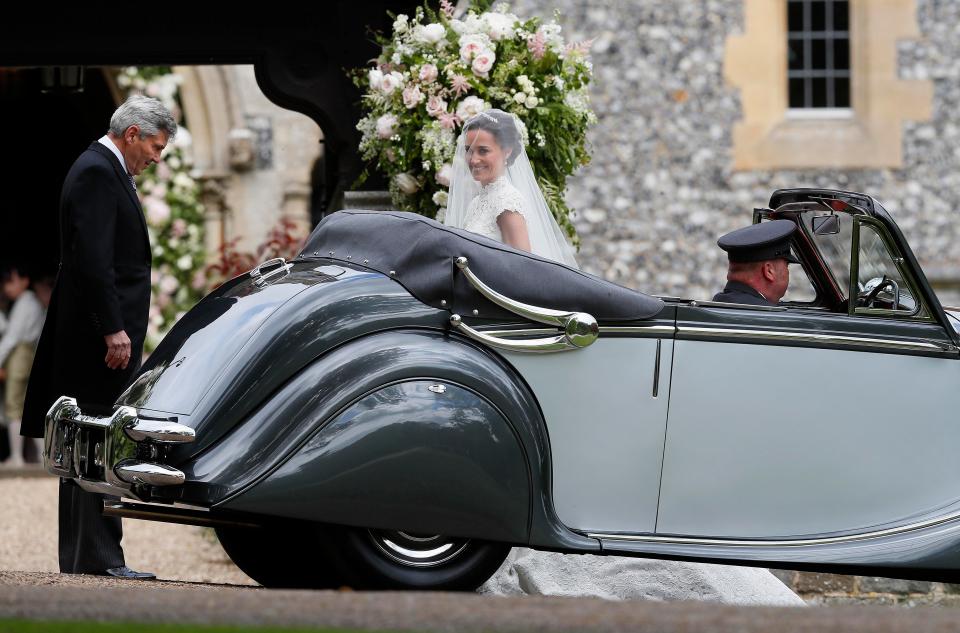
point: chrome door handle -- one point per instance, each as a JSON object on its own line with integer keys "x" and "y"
{"x": 579, "y": 328}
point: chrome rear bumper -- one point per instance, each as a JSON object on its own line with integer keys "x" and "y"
{"x": 119, "y": 455}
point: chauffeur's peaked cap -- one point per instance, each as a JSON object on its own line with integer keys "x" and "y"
{"x": 760, "y": 242}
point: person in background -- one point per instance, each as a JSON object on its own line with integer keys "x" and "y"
{"x": 17, "y": 346}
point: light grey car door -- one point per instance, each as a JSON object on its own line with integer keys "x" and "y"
{"x": 793, "y": 424}
{"x": 605, "y": 408}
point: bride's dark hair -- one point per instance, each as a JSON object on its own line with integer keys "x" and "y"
{"x": 501, "y": 125}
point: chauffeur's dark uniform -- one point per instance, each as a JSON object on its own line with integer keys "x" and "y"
{"x": 736, "y": 292}
{"x": 103, "y": 286}
{"x": 755, "y": 243}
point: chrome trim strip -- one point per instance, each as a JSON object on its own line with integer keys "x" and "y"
{"x": 579, "y": 329}
{"x": 826, "y": 540}
{"x": 556, "y": 343}
{"x": 519, "y": 332}
{"x": 818, "y": 338}
{"x": 669, "y": 330}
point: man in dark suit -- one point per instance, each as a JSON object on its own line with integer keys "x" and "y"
{"x": 96, "y": 324}
{"x": 758, "y": 272}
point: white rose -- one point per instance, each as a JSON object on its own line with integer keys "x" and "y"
{"x": 376, "y": 77}
{"x": 386, "y": 126}
{"x": 391, "y": 82}
{"x": 440, "y": 198}
{"x": 185, "y": 263}
{"x": 471, "y": 106}
{"x": 458, "y": 27}
{"x": 520, "y": 97}
{"x": 444, "y": 174}
{"x": 483, "y": 62}
{"x": 436, "y": 106}
{"x": 428, "y": 73}
{"x": 431, "y": 33}
{"x": 406, "y": 183}
{"x": 531, "y": 102}
{"x": 473, "y": 24}
{"x": 412, "y": 97}
{"x": 499, "y": 25}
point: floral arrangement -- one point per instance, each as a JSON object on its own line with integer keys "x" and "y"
{"x": 171, "y": 202}
{"x": 284, "y": 240}
{"x": 436, "y": 71}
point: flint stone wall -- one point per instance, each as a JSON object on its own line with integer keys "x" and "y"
{"x": 661, "y": 189}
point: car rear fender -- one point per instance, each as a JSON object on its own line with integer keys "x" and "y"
{"x": 415, "y": 430}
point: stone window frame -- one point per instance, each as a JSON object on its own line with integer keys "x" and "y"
{"x": 771, "y": 135}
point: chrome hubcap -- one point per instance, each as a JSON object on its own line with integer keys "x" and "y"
{"x": 417, "y": 550}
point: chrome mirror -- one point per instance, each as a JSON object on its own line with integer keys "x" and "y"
{"x": 825, "y": 224}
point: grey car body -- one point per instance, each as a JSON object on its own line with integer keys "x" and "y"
{"x": 403, "y": 392}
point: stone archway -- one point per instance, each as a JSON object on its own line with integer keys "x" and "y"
{"x": 252, "y": 157}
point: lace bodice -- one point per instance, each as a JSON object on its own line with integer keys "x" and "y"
{"x": 486, "y": 207}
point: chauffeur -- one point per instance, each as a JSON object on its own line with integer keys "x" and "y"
{"x": 759, "y": 255}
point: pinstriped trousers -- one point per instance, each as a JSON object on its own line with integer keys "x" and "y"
{"x": 89, "y": 541}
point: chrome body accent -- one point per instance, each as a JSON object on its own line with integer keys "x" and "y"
{"x": 653, "y": 330}
{"x": 101, "y": 453}
{"x": 833, "y": 339}
{"x": 260, "y": 278}
{"x": 161, "y": 431}
{"x": 579, "y": 328}
{"x": 134, "y": 472}
{"x": 798, "y": 542}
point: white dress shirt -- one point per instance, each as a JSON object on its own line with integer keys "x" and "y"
{"x": 106, "y": 142}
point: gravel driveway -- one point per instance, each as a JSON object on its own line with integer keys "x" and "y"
{"x": 28, "y": 539}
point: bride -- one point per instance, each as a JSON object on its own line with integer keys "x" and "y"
{"x": 493, "y": 191}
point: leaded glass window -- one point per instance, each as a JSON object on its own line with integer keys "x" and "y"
{"x": 818, "y": 53}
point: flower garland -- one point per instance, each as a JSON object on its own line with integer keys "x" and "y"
{"x": 171, "y": 201}
{"x": 435, "y": 72}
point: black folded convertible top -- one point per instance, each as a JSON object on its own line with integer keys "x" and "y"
{"x": 421, "y": 253}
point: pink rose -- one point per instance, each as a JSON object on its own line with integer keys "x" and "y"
{"x": 473, "y": 44}
{"x": 436, "y": 106}
{"x": 483, "y": 62}
{"x": 158, "y": 211}
{"x": 444, "y": 174}
{"x": 412, "y": 97}
{"x": 428, "y": 73}
{"x": 179, "y": 227}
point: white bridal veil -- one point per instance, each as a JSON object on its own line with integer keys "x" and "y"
{"x": 546, "y": 238}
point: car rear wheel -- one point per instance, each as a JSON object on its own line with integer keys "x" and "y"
{"x": 393, "y": 559}
{"x": 283, "y": 556}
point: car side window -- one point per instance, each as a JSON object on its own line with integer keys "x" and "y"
{"x": 880, "y": 284}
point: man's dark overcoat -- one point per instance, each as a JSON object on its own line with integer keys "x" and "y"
{"x": 103, "y": 286}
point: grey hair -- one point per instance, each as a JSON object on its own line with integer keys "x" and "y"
{"x": 147, "y": 113}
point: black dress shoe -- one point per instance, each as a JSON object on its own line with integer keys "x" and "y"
{"x": 126, "y": 572}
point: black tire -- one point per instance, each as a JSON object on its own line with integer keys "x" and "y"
{"x": 390, "y": 559}
{"x": 292, "y": 556}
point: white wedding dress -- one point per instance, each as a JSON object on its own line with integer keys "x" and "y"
{"x": 486, "y": 207}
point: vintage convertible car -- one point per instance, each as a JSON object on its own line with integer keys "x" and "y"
{"x": 403, "y": 402}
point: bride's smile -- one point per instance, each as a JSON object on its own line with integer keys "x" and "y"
{"x": 484, "y": 156}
